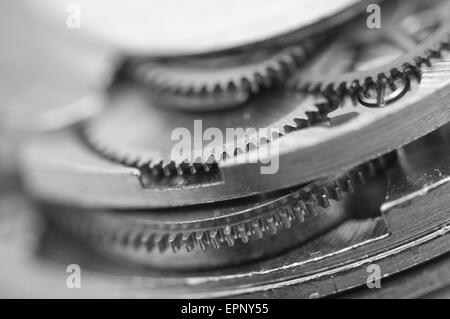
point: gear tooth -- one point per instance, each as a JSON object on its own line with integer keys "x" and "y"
{"x": 221, "y": 235}
{"x": 234, "y": 232}
{"x": 285, "y": 220}
{"x": 269, "y": 224}
{"x": 246, "y": 85}
{"x": 302, "y": 123}
{"x": 315, "y": 198}
{"x": 317, "y": 88}
{"x": 248, "y": 228}
{"x": 277, "y": 218}
{"x": 288, "y": 67}
{"x": 202, "y": 240}
{"x": 163, "y": 243}
{"x": 435, "y": 53}
{"x": 382, "y": 162}
{"x": 264, "y": 141}
{"x": 142, "y": 241}
{"x": 328, "y": 89}
{"x": 175, "y": 242}
{"x": 135, "y": 239}
{"x": 275, "y": 135}
{"x": 312, "y": 207}
{"x": 257, "y": 228}
{"x": 190, "y": 242}
{"x": 215, "y": 89}
{"x": 349, "y": 185}
{"x": 226, "y": 235}
{"x": 361, "y": 177}
{"x": 395, "y": 73}
{"x": 157, "y": 171}
{"x": 445, "y": 46}
{"x": 231, "y": 88}
{"x": 206, "y": 239}
{"x": 288, "y": 128}
{"x": 301, "y": 210}
{"x": 273, "y": 75}
{"x": 371, "y": 168}
{"x": 242, "y": 231}
{"x": 290, "y": 212}
{"x": 168, "y": 169}
{"x": 325, "y": 203}
{"x": 419, "y": 61}
{"x": 158, "y": 237}
{"x": 330, "y": 191}
{"x": 193, "y": 168}
{"x": 342, "y": 89}
{"x": 215, "y": 238}
{"x": 149, "y": 241}
{"x": 180, "y": 170}
{"x": 259, "y": 80}
{"x": 338, "y": 193}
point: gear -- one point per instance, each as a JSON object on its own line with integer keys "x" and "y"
{"x": 138, "y": 136}
{"x": 145, "y": 135}
{"x": 140, "y": 143}
{"x": 409, "y": 38}
{"x": 59, "y": 165}
{"x": 219, "y": 81}
{"x": 224, "y": 224}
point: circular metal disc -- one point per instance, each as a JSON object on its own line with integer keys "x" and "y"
{"x": 178, "y": 27}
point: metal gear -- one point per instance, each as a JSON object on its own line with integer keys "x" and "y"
{"x": 145, "y": 135}
{"x": 411, "y": 36}
{"x": 130, "y": 150}
{"x": 66, "y": 164}
{"x": 412, "y": 232}
{"x": 217, "y": 81}
{"x": 297, "y": 214}
{"x": 136, "y": 140}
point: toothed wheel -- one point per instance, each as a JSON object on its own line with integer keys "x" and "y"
{"x": 264, "y": 225}
{"x": 217, "y": 81}
{"x": 136, "y": 132}
{"x": 376, "y": 65}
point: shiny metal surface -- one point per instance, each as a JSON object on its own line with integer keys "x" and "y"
{"x": 229, "y": 233}
{"x": 155, "y": 27}
{"x": 332, "y": 263}
{"x": 81, "y": 176}
{"x": 361, "y": 136}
